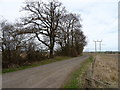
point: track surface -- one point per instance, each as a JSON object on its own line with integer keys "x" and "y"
{"x": 46, "y": 76}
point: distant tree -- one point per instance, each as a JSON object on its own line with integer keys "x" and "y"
{"x": 70, "y": 37}
{"x": 79, "y": 41}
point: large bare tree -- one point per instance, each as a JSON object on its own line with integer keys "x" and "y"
{"x": 44, "y": 17}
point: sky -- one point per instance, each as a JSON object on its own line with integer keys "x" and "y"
{"x": 99, "y": 19}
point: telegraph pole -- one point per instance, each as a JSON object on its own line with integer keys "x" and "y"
{"x": 95, "y": 46}
{"x": 100, "y": 44}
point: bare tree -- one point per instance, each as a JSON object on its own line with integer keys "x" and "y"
{"x": 45, "y": 18}
{"x": 79, "y": 41}
{"x": 70, "y": 34}
{"x": 15, "y": 47}
{"x": 10, "y": 42}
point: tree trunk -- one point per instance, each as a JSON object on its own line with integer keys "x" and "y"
{"x": 52, "y": 41}
{"x": 51, "y": 53}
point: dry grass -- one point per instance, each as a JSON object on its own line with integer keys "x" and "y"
{"x": 106, "y": 68}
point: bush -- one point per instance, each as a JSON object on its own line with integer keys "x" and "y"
{"x": 12, "y": 59}
{"x": 69, "y": 51}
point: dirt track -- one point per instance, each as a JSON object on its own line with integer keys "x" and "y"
{"x": 45, "y": 76}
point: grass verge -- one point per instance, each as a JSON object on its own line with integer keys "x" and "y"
{"x": 77, "y": 77}
{"x": 47, "y": 61}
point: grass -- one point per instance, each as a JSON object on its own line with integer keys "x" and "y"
{"x": 47, "y": 61}
{"x": 76, "y": 78}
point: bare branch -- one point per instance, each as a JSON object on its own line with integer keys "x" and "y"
{"x": 41, "y": 40}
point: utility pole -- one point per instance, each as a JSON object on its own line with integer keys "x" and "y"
{"x": 100, "y": 44}
{"x": 95, "y": 46}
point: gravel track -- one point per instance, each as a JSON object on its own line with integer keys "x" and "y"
{"x": 50, "y": 75}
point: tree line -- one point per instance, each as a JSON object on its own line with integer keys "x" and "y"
{"x": 48, "y": 29}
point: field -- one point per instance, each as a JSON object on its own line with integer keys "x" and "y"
{"x": 106, "y": 69}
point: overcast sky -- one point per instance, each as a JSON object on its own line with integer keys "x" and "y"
{"x": 99, "y": 19}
